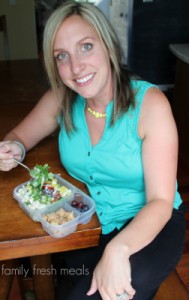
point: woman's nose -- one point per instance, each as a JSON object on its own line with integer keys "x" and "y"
{"x": 76, "y": 65}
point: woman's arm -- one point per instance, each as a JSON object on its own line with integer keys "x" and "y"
{"x": 38, "y": 124}
{"x": 159, "y": 153}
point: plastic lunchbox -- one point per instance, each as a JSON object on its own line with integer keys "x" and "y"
{"x": 66, "y": 203}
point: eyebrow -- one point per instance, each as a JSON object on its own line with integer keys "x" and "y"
{"x": 79, "y": 42}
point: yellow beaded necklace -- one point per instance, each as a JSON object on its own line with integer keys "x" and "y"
{"x": 96, "y": 114}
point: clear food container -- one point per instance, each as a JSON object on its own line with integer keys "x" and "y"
{"x": 83, "y": 211}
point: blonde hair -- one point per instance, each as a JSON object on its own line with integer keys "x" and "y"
{"x": 97, "y": 20}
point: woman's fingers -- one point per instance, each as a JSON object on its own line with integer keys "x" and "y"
{"x": 8, "y": 150}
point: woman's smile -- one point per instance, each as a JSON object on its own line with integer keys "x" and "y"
{"x": 85, "y": 80}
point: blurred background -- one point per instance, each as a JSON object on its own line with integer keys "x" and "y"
{"x": 145, "y": 28}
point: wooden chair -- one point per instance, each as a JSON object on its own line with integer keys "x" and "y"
{"x": 172, "y": 289}
{"x": 10, "y": 284}
{"x": 3, "y": 28}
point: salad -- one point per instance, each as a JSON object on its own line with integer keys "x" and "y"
{"x": 43, "y": 189}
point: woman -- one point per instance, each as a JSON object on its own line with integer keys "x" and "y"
{"x": 118, "y": 135}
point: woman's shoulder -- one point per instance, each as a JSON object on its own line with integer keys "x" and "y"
{"x": 155, "y": 97}
{"x": 156, "y": 109}
{"x": 139, "y": 85}
{"x": 49, "y": 103}
{"x": 151, "y": 104}
{"x": 148, "y": 93}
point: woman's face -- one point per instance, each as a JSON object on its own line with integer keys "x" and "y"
{"x": 83, "y": 63}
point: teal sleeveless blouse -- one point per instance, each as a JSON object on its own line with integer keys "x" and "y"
{"x": 112, "y": 170}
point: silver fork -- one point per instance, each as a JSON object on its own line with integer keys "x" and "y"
{"x": 23, "y": 165}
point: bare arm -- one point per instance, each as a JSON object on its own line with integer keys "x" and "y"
{"x": 159, "y": 153}
{"x": 38, "y": 124}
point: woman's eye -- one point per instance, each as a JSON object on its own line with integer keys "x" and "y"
{"x": 87, "y": 47}
{"x": 61, "y": 56}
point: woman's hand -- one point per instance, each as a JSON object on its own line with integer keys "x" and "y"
{"x": 8, "y": 150}
{"x": 112, "y": 274}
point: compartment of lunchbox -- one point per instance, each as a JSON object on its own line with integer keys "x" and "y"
{"x": 84, "y": 204}
{"x": 34, "y": 213}
{"x": 64, "y": 213}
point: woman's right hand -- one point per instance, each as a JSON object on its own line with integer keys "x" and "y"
{"x": 8, "y": 150}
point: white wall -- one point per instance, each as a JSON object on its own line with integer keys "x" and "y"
{"x": 21, "y": 29}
